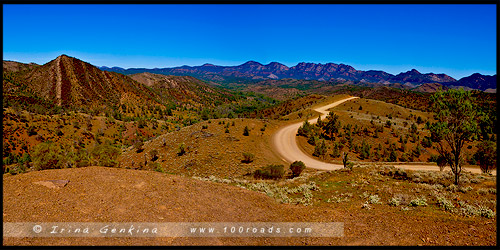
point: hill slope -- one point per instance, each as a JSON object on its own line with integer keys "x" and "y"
{"x": 183, "y": 89}
{"x": 69, "y": 82}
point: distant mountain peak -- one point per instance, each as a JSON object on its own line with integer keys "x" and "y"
{"x": 414, "y": 71}
{"x": 64, "y": 56}
{"x": 207, "y": 65}
{"x": 252, "y": 63}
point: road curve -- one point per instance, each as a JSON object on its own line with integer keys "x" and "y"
{"x": 285, "y": 144}
{"x": 284, "y": 141}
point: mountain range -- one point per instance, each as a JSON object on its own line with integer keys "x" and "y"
{"x": 328, "y": 72}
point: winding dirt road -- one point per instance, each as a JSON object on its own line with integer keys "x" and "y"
{"x": 285, "y": 144}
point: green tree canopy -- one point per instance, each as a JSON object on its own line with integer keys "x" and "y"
{"x": 457, "y": 117}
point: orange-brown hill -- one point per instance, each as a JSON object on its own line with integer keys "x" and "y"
{"x": 430, "y": 87}
{"x": 67, "y": 81}
{"x": 184, "y": 89}
{"x": 99, "y": 194}
{"x": 11, "y": 66}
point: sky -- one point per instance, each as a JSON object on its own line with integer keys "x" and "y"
{"x": 457, "y": 40}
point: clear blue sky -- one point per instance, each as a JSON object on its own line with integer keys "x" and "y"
{"x": 454, "y": 39}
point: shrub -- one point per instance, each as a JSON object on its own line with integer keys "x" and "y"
{"x": 312, "y": 140}
{"x": 204, "y": 126}
{"x": 248, "y": 157}
{"x": 32, "y": 130}
{"x": 182, "y": 149}
{"x": 156, "y": 167}
{"x": 446, "y": 204}
{"x": 154, "y": 154}
{"x": 395, "y": 201}
{"x": 105, "y": 155}
{"x": 138, "y": 145}
{"x": 297, "y": 167}
{"x": 374, "y": 199}
{"x": 226, "y": 131}
{"x": 270, "y": 172}
{"x": 246, "y": 131}
{"x": 48, "y": 155}
{"x": 418, "y": 202}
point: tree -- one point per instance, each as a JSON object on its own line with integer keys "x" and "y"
{"x": 320, "y": 149}
{"x": 246, "y": 131}
{"x": 297, "y": 167}
{"x": 439, "y": 160}
{"x": 305, "y": 129}
{"x": 336, "y": 150}
{"x": 486, "y": 155}
{"x": 456, "y": 116}
{"x": 346, "y": 162}
{"x": 332, "y": 125}
{"x": 319, "y": 122}
{"x": 365, "y": 150}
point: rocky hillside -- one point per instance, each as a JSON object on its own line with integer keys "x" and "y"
{"x": 69, "y": 82}
{"x": 183, "y": 89}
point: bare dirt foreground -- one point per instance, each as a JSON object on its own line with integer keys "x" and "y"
{"x": 99, "y": 194}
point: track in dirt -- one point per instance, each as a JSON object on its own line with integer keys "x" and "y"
{"x": 285, "y": 144}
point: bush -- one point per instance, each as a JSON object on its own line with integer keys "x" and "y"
{"x": 374, "y": 199}
{"x": 246, "y": 131}
{"x": 270, "y": 172}
{"x": 154, "y": 154}
{"x": 297, "y": 167}
{"x": 156, "y": 167}
{"x": 446, "y": 204}
{"x": 395, "y": 201}
{"x": 138, "y": 145}
{"x": 105, "y": 155}
{"x": 418, "y": 202}
{"x": 182, "y": 149}
{"x": 248, "y": 157}
{"x": 48, "y": 155}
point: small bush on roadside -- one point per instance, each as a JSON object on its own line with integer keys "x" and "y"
{"x": 297, "y": 167}
{"x": 270, "y": 172}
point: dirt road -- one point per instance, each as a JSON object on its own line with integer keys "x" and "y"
{"x": 285, "y": 144}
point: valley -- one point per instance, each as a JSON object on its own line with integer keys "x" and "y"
{"x": 212, "y": 143}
